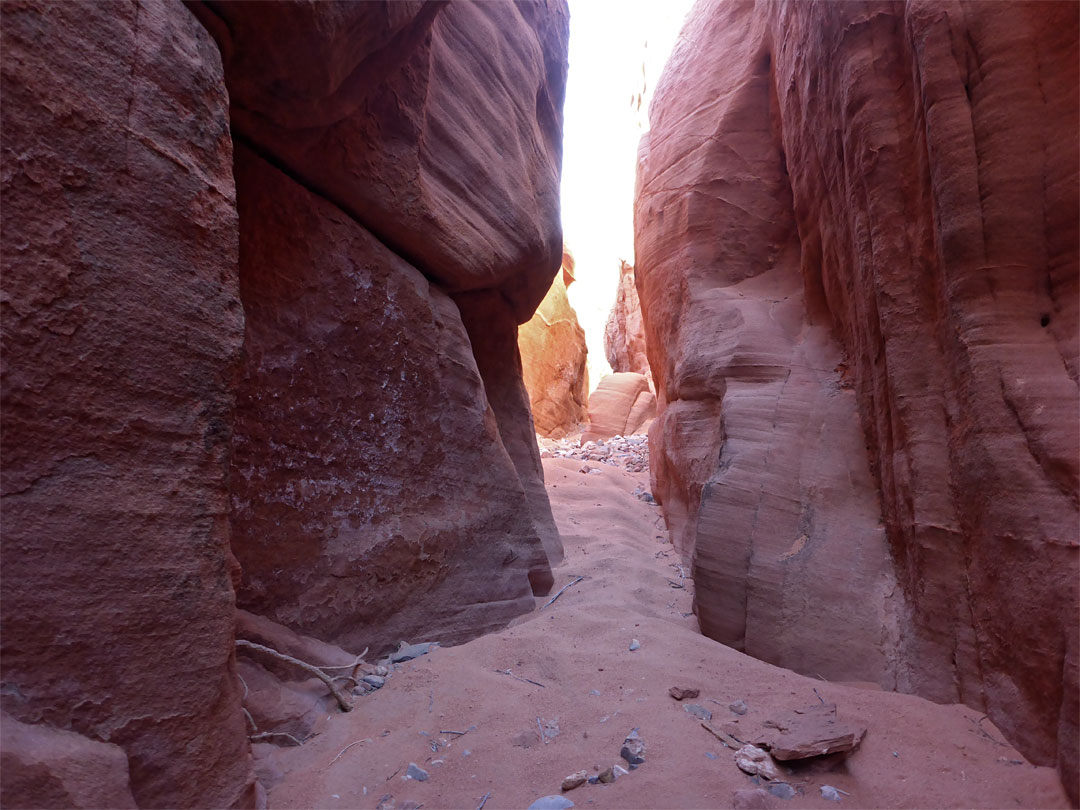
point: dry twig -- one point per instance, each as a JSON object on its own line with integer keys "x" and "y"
{"x": 483, "y": 801}
{"x": 563, "y": 588}
{"x": 266, "y": 735}
{"x": 343, "y": 701}
{"x": 346, "y": 748}
{"x": 518, "y": 677}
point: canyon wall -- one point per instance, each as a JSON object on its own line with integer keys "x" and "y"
{"x": 624, "y": 333}
{"x": 857, "y": 257}
{"x": 554, "y": 359}
{"x": 122, "y": 328}
{"x": 307, "y": 358}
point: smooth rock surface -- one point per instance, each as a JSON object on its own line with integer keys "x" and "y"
{"x": 121, "y": 326}
{"x": 859, "y": 281}
{"x": 619, "y": 406}
{"x": 553, "y": 360}
{"x": 437, "y": 126}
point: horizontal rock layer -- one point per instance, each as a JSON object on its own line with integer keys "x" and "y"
{"x": 859, "y": 223}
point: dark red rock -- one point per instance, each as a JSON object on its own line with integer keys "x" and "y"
{"x": 373, "y": 499}
{"x": 46, "y": 767}
{"x": 877, "y": 250}
{"x": 554, "y": 360}
{"x": 413, "y": 119}
{"x": 810, "y": 732}
{"x": 121, "y": 327}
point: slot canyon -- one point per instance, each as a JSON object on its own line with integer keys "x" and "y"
{"x": 311, "y": 492}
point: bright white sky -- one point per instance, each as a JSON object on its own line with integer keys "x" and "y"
{"x": 610, "y": 43}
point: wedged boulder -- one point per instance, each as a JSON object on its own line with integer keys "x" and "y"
{"x": 47, "y": 767}
{"x": 859, "y": 280}
{"x": 554, "y": 360}
{"x": 438, "y": 126}
{"x": 624, "y": 332}
{"x": 122, "y": 327}
{"x": 373, "y": 498}
{"x": 619, "y": 406}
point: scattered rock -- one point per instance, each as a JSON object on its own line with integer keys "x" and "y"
{"x": 620, "y": 770}
{"x": 756, "y": 762}
{"x": 628, "y": 452}
{"x": 710, "y": 755}
{"x": 594, "y": 779}
{"x": 810, "y": 732}
{"x": 552, "y": 803}
{"x": 376, "y": 681}
{"x": 782, "y": 790}
{"x": 575, "y": 780}
{"x": 407, "y": 652}
{"x": 634, "y": 644}
{"x": 633, "y": 749}
{"x": 414, "y": 771}
{"x": 682, "y": 694}
{"x": 738, "y": 706}
{"x": 698, "y": 711}
{"x": 382, "y": 671}
{"x": 607, "y": 776}
{"x": 585, "y": 468}
{"x": 831, "y": 793}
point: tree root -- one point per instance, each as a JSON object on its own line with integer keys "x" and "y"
{"x": 343, "y": 702}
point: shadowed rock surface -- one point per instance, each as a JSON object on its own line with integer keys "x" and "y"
{"x": 858, "y": 276}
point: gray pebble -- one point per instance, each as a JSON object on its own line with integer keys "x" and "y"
{"x": 738, "y": 706}
{"x": 374, "y": 680}
{"x": 700, "y": 712}
{"x": 414, "y": 771}
{"x": 634, "y": 644}
{"x": 781, "y": 790}
{"x": 551, "y": 803}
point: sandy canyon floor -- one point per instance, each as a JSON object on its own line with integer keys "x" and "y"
{"x": 523, "y": 738}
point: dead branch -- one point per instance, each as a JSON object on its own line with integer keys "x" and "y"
{"x": 346, "y": 748}
{"x": 343, "y": 701}
{"x": 251, "y": 719}
{"x": 266, "y": 735}
{"x": 483, "y": 801}
{"x": 563, "y": 588}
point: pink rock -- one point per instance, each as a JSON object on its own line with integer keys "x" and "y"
{"x": 553, "y": 359}
{"x": 624, "y": 332}
{"x": 46, "y": 767}
{"x": 619, "y": 405}
{"x": 859, "y": 281}
{"x": 121, "y": 327}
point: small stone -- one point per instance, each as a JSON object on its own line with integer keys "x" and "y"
{"x": 621, "y": 771}
{"x": 607, "y": 776}
{"x": 811, "y": 732}
{"x": 831, "y": 793}
{"x": 551, "y": 803}
{"x": 756, "y": 762}
{"x": 634, "y": 644}
{"x": 752, "y": 799}
{"x": 414, "y": 771}
{"x": 585, "y": 468}
{"x": 698, "y": 711}
{"x": 633, "y": 748}
{"x": 382, "y": 671}
{"x": 376, "y": 681}
{"x": 594, "y": 780}
{"x": 682, "y": 694}
{"x": 407, "y": 652}
{"x": 710, "y": 755}
{"x": 738, "y": 706}
{"x": 782, "y": 790}
{"x": 575, "y": 780}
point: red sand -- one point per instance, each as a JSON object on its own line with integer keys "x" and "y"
{"x": 915, "y": 753}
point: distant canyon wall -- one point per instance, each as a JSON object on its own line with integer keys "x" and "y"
{"x": 262, "y": 281}
{"x": 857, "y": 259}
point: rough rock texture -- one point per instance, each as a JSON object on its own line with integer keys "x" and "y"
{"x": 554, "y": 360}
{"x": 624, "y": 332}
{"x": 619, "y": 406}
{"x": 121, "y": 328}
{"x": 372, "y": 496}
{"x": 859, "y": 223}
{"x": 46, "y": 767}
{"x": 437, "y": 126}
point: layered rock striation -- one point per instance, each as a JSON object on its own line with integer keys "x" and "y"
{"x": 554, "y": 359}
{"x": 857, "y": 257}
{"x": 305, "y": 361}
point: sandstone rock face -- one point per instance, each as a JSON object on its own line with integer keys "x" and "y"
{"x": 859, "y": 224}
{"x": 46, "y": 767}
{"x": 121, "y": 327}
{"x": 624, "y": 332}
{"x": 619, "y": 406}
{"x": 372, "y": 496}
{"x": 437, "y": 126}
{"x": 553, "y": 359}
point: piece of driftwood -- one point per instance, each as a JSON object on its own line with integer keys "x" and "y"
{"x": 343, "y": 702}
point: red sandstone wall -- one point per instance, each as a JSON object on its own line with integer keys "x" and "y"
{"x": 624, "y": 332}
{"x": 891, "y": 191}
{"x": 122, "y": 326}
